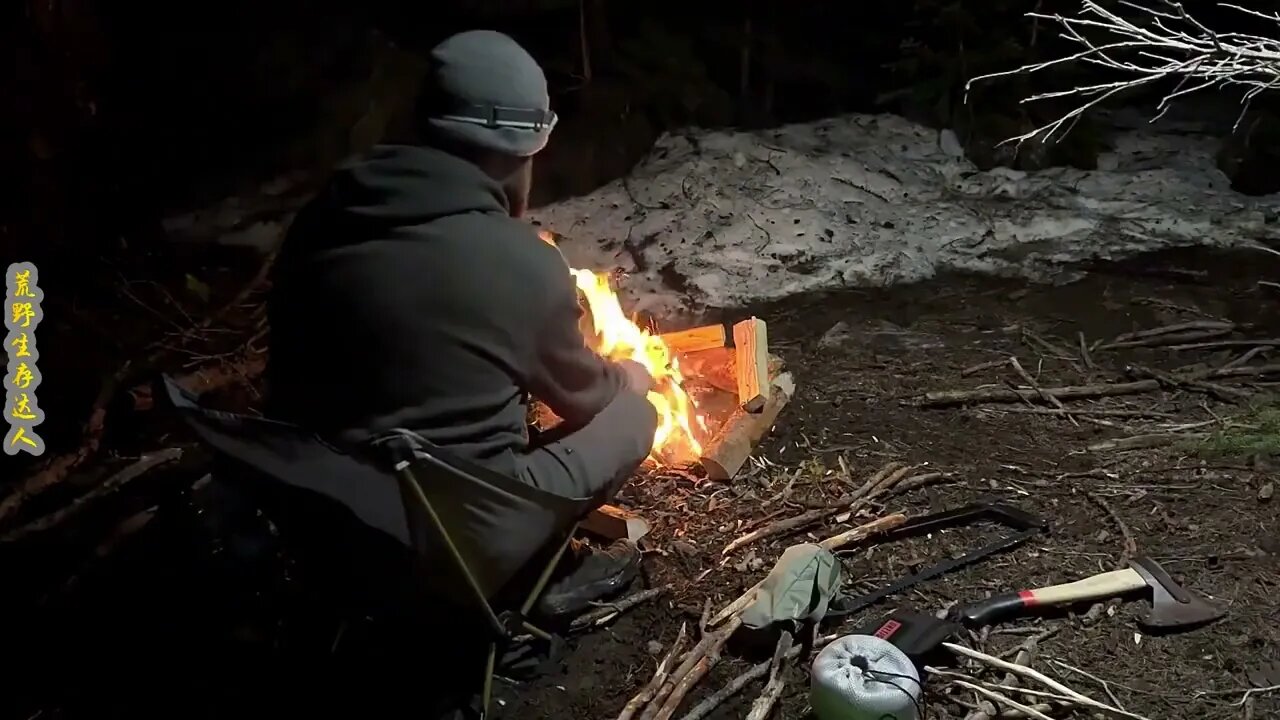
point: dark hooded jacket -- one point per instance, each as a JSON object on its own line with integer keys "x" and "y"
{"x": 406, "y": 296}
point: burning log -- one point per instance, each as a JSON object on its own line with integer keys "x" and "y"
{"x": 728, "y": 451}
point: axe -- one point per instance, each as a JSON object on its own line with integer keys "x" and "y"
{"x": 1171, "y": 605}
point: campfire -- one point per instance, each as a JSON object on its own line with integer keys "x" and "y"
{"x": 714, "y": 402}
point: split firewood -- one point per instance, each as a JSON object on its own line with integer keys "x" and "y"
{"x": 115, "y": 482}
{"x": 706, "y": 337}
{"x": 609, "y": 611}
{"x": 880, "y": 483}
{"x": 833, "y": 543}
{"x": 725, "y": 455}
{"x": 993, "y": 394}
{"x": 751, "y": 346}
{"x": 763, "y": 705}
{"x": 718, "y": 368}
{"x": 659, "y": 677}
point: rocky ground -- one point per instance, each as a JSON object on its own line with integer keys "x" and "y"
{"x": 1198, "y": 499}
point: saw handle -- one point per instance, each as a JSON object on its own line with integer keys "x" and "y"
{"x": 1007, "y": 605}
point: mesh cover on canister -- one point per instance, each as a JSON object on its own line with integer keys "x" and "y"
{"x": 860, "y": 677}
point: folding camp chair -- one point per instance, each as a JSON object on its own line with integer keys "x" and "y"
{"x": 481, "y": 527}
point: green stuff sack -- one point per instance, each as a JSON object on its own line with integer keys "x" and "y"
{"x": 798, "y": 589}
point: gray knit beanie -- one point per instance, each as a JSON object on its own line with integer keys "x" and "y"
{"x": 485, "y": 91}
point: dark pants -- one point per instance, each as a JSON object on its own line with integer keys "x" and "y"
{"x": 594, "y": 459}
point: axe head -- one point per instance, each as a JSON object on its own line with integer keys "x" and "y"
{"x": 1172, "y": 606}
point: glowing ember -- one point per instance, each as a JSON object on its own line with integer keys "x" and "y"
{"x": 618, "y": 338}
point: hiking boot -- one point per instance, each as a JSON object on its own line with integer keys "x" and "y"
{"x": 593, "y": 575}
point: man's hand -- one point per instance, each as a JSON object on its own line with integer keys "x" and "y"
{"x": 638, "y": 378}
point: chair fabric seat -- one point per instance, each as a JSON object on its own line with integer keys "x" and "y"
{"x": 497, "y": 523}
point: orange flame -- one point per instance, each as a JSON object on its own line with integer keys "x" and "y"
{"x": 618, "y": 338}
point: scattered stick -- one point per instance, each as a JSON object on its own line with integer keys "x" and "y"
{"x": 881, "y": 482}
{"x": 1215, "y": 344}
{"x": 695, "y": 666}
{"x": 1164, "y": 330}
{"x": 833, "y": 543}
{"x": 755, "y": 672}
{"x": 659, "y": 677}
{"x": 108, "y": 486}
{"x": 944, "y": 398}
{"x": 1026, "y": 376}
{"x": 1085, "y": 413}
{"x": 1142, "y": 442}
{"x": 763, "y": 705}
{"x": 1164, "y": 340}
{"x": 608, "y": 611}
{"x": 989, "y": 365}
{"x": 1191, "y": 382}
{"x": 1130, "y": 545}
{"x": 1003, "y": 700}
{"x": 1084, "y": 352}
{"x": 1027, "y": 673}
{"x": 1025, "y": 652}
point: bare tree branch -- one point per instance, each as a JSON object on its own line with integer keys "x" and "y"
{"x": 1154, "y": 41}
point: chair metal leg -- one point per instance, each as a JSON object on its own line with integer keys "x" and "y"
{"x": 486, "y": 694}
{"x": 545, "y": 577}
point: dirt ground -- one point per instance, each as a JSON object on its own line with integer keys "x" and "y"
{"x": 860, "y": 358}
{"x": 862, "y": 361}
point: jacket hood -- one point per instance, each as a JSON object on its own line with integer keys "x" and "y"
{"x": 398, "y": 186}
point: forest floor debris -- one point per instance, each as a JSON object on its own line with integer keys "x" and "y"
{"x": 1195, "y": 503}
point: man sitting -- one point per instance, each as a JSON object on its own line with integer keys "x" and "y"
{"x": 408, "y": 294}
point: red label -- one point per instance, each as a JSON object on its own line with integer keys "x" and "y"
{"x": 1028, "y": 598}
{"x": 888, "y": 629}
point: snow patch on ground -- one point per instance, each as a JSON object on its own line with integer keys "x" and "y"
{"x": 723, "y": 219}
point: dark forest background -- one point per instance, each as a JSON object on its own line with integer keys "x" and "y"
{"x": 120, "y": 114}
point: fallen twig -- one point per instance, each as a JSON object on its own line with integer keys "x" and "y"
{"x": 1083, "y": 413}
{"x": 1084, "y": 352}
{"x": 659, "y": 677}
{"x": 943, "y": 398}
{"x": 755, "y": 672}
{"x": 1140, "y": 442}
{"x": 1165, "y": 330}
{"x": 763, "y": 705}
{"x": 704, "y": 656}
{"x": 988, "y": 365}
{"x": 1025, "y": 652}
{"x": 609, "y": 611}
{"x": 881, "y": 482}
{"x": 1026, "y": 376}
{"x": 833, "y": 543}
{"x": 111, "y": 484}
{"x": 1130, "y": 545}
{"x": 1214, "y": 344}
{"x": 1002, "y": 699}
{"x": 1028, "y": 674}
